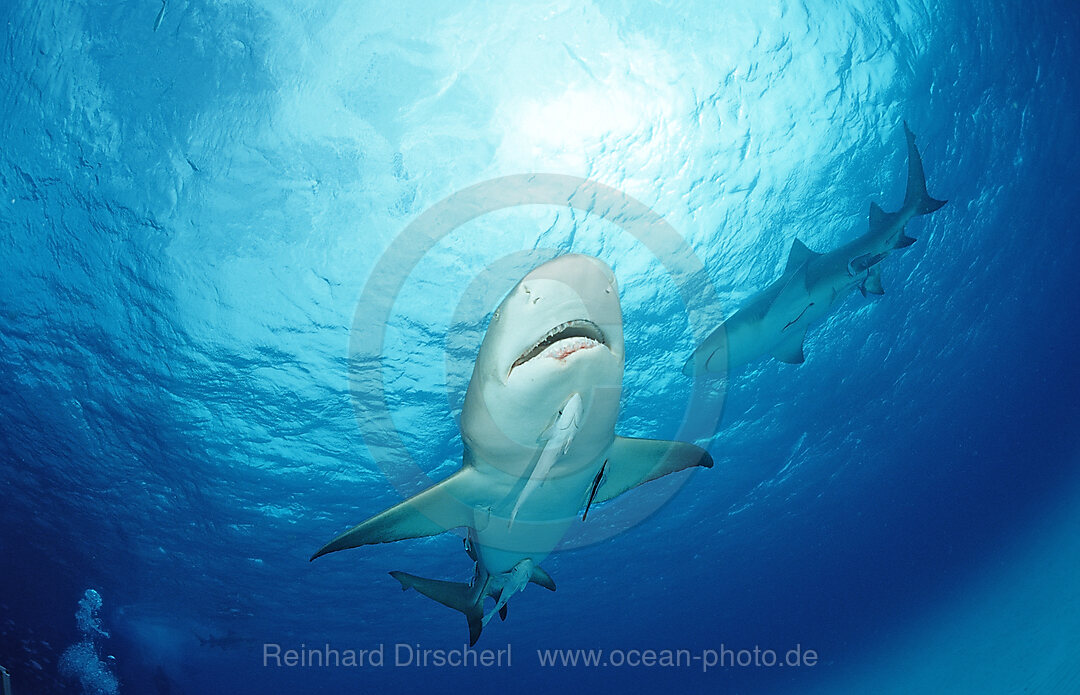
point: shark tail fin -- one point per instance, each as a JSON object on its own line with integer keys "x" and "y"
{"x": 460, "y": 597}
{"x": 916, "y": 198}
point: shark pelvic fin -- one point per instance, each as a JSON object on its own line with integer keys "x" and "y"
{"x": 460, "y": 597}
{"x": 791, "y": 350}
{"x": 439, "y": 508}
{"x": 871, "y": 284}
{"x": 632, "y": 462}
{"x": 916, "y": 198}
{"x": 503, "y": 611}
{"x": 800, "y": 254}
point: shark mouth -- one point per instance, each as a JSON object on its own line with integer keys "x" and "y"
{"x": 564, "y": 340}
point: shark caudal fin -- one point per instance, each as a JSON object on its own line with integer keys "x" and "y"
{"x": 916, "y": 198}
{"x": 460, "y": 597}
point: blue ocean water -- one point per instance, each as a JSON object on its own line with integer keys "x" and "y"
{"x": 196, "y": 195}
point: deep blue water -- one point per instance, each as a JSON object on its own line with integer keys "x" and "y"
{"x": 190, "y": 215}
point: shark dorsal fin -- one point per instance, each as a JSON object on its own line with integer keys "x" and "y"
{"x": 881, "y": 220}
{"x": 877, "y": 216}
{"x": 796, "y": 285}
{"x": 799, "y": 255}
{"x": 791, "y": 350}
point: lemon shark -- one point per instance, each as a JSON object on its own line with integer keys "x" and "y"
{"x": 538, "y": 429}
{"x": 774, "y": 321}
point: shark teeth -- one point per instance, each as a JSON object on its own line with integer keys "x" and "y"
{"x": 582, "y": 332}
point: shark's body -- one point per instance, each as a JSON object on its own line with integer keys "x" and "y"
{"x": 774, "y": 321}
{"x": 538, "y": 433}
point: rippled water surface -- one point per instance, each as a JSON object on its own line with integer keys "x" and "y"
{"x": 196, "y": 194}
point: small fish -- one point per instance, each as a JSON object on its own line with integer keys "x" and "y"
{"x": 559, "y": 436}
{"x": 160, "y": 15}
{"x": 864, "y": 262}
{"x": 592, "y": 492}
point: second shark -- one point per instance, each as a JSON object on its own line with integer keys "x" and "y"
{"x": 774, "y": 321}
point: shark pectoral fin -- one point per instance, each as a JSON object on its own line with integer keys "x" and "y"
{"x": 872, "y": 284}
{"x": 542, "y": 578}
{"x": 460, "y": 597}
{"x": 791, "y": 350}
{"x": 503, "y": 611}
{"x": 632, "y": 462}
{"x": 437, "y": 509}
{"x": 904, "y": 241}
{"x": 799, "y": 255}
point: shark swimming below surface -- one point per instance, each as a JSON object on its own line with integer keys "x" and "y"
{"x": 774, "y": 321}
{"x": 538, "y": 427}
